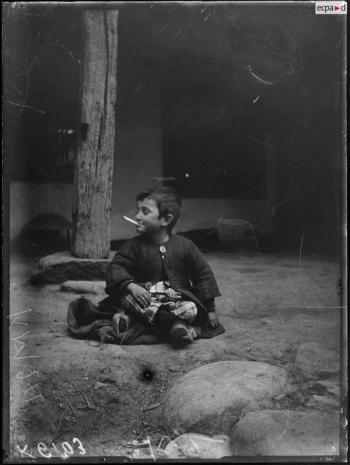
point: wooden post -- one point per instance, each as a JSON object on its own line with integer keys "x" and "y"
{"x": 93, "y": 172}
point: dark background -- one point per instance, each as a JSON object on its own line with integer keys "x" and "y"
{"x": 215, "y": 138}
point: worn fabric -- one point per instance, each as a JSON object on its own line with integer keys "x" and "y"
{"x": 84, "y": 318}
{"x": 139, "y": 260}
{"x": 85, "y": 321}
{"x": 162, "y": 296}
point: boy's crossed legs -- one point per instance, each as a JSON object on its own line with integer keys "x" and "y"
{"x": 166, "y": 312}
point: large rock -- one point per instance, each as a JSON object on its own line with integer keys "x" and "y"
{"x": 314, "y": 360}
{"x": 63, "y": 266}
{"x": 84, "y": 287}
{"x": 286, "y": 433}
{"x": 210, "y": 399}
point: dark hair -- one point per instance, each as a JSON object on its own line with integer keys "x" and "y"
{"x": 167, "y": 200}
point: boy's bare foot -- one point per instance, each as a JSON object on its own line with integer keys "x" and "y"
{"x": 106, "y": 334}
{"x": 181, "y": 334}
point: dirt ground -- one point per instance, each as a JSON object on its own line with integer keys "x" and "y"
{"x": 106, "y": 396}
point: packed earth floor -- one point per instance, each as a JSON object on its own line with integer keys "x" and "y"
{"x": 107, "y": 396}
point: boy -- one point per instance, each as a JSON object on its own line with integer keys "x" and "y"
{"x": 161, "y": 278}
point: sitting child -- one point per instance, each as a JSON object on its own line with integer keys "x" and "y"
{"x": 162, "y": 278}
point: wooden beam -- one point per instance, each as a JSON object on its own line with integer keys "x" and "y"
{"x": 93, "y": 173}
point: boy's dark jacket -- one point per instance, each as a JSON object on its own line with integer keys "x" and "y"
{"x": 140, "y": 261}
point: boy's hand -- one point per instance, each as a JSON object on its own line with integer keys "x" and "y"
{"x": 213, "y": 319}
{"x": 141, "y": 295}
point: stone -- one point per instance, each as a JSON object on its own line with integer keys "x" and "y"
{"x": 286, "y": 433}
{"x": 323, "y": 403}
{"x": 210, "y": 399}
{"x": 84, "y": 287}
{"x": 62, "y": 266}
{"x": 314, "y": 361}
{"x": 198, "y": 446}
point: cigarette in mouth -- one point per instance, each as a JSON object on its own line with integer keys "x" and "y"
{"x": 130, "y": 220}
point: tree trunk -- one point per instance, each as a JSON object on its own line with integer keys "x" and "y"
{"x": 93, "y": 173}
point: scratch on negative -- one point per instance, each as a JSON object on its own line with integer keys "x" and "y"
{"x": 293, "y": 424}
{"x": 263, "y": 81}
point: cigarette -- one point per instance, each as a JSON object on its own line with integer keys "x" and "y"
{"x": 130, "y": 220}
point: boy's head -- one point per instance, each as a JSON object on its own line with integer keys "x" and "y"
{"x": 158, "y": 207}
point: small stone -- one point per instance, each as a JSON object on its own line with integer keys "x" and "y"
{"x": 331, "y": 386}
{"x": 99, "y": 385}
{"x": 198, "y": 446}
{"x": 175, "y": 369}
{"x": 322, "y": 403}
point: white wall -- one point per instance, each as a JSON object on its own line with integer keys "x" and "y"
{"x": 28, "y": 200}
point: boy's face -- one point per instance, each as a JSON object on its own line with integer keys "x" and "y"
{"x": 148, "y": 217}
